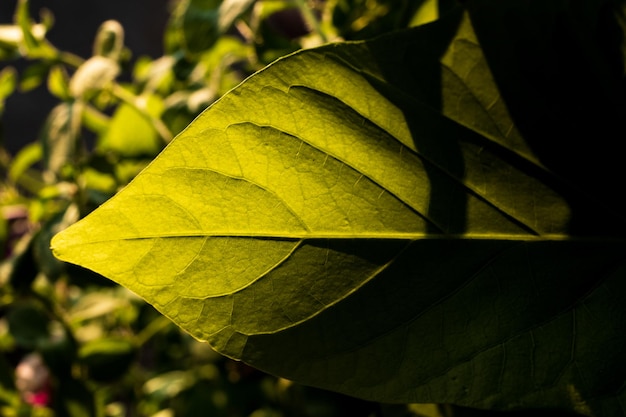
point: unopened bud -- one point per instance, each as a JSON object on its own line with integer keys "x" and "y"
{"x": 109, "y": 40}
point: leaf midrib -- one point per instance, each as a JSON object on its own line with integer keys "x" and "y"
{"x": 350, "y": 236}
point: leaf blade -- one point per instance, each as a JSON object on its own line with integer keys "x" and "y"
{"x": 412, "y": 205}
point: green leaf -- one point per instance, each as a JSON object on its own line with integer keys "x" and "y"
{"x": 8, "y": 80}
{"x": 200, "y": 24}
{"x": 33, "y": 75}
{"x": 369, "y": 218}
{"x": 427, "y": 12}
{"x": 25, "y": 159}
{"x": 22, "y": 18}
{"x": 229, "y": 12}
{"x": 31, "y": 41}
{"x": 93, "y": 75}
{"x": 60, "y": 134}
{"x": 58, "y": 82}
{"x": 142, "y": 139}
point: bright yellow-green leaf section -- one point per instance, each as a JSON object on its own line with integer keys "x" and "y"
{"x": 309, "y": 148}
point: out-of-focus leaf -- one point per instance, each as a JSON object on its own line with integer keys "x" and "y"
{"x": 94, "y": 120}
{"x": 4, "y": 234}
{"x": 126, "y": 170}
{"x": 33, "y": 75}
{"x": 363, "y": 19}
{"x": 58, "y": 82}
{"x": 32, "y": 40}
{"x": 93, "y": 75}
{"x": 170, "y": 384}
{"x": 155, "y": 75}
{"x": 107, "y": 359}
{"x": 19, "y": 269}
{"x": 98, "y": 305}
{"x": 200, "y": 24}
{"x": 8, "y": 81}
{"x": 427, "y": 12}
{"x": 229, "y": 11}
{"x": 28, "y": 324}
{"x": 22, "y": 18}
{"x": 60, "y": 134}
{"x": 99, "y": 181}
{"x": 46, "y": 262}
{"x": 25, "y": 158}
{"x": 142, "y": 139}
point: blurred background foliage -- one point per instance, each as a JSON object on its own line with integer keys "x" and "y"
{"x": 72, "y": 343}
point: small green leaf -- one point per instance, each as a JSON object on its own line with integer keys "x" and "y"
{"x": 33, "y": 75}
{"x": 200, "y": 24}
{"x": 93, "y": 75}
{"x": 142, "y": 140}
{"x": 20, "y": 171}
{"x": 229, "y": 11}
{"x": 101, "y": 182}
{"x": 59, "y": 136}
{"x": 170, "y": 384}
{"x": 428, "y": 12}
{"x": 31, "y": 42}
{"x": 58, "y": 82}
{"x": 22, "y": 18}
{"x": 95, "y": 120}
{"x": 8, "y": 81}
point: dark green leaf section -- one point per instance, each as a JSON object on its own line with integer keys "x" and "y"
{"x": 490, "y": 327}
{"x": 372, "y": 218}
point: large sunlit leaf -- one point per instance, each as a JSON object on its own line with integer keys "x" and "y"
{"x": 367, "y": 217}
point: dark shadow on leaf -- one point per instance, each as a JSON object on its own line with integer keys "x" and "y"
{"x": 413, "y": 83}
{"x": 533, "y": 412}
{"x": 560, "y": 70}
{"x": 560, "y": 73}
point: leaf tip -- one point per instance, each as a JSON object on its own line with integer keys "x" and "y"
{"x": 58, "y": 243}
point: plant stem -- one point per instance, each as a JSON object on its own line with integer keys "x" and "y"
{"x": 70, "y": 59}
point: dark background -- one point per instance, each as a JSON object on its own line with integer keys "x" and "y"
{"x": 75, "y": 25}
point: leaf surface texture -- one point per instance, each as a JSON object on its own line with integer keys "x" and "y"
{"x": 368, "y": 217}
